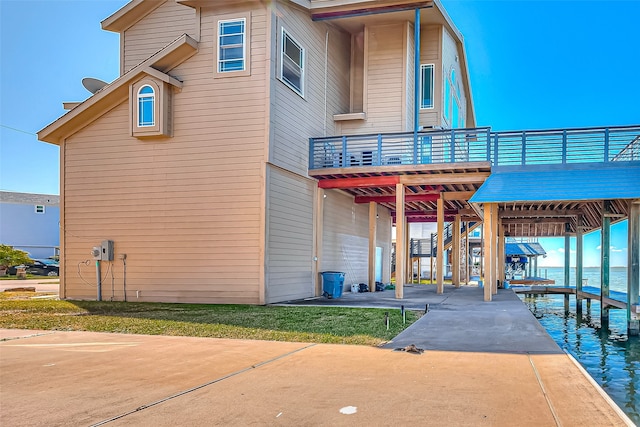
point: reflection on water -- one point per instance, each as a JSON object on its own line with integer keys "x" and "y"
{"x": 609, "y": 357}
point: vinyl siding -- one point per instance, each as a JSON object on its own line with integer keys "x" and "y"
{"x": 385, "y": 75}
{"x": 295, "y": 119}
{"x": 188, "y": 210}
{"x": 430, "y": 53}
{"x": 289, "y": 236}
{"x": 155, "y": 31}
{"x": 346, "y": 238}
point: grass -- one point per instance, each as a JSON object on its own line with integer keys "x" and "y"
{"x": 296, "y": 324}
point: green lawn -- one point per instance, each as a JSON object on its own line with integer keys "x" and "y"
{"x": 296, "y": 324}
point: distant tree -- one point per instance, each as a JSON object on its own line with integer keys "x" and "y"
{"x": 10, "y": 257}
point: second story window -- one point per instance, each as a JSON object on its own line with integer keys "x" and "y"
{"x": 146, "y": 106}
{"x": 231, "y": 45}
{"x": 39, "y": 209}
{"x": 426, "y": 86}
{"x": 292, "y": 63}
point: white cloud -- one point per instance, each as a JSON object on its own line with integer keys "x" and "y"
{"x": 561, "y": 250}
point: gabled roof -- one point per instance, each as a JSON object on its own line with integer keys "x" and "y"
{"x": 115, "y": 93}
{"x": 129, "y": 14}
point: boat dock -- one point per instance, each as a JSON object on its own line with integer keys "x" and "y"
{"x": 614, "y": 300}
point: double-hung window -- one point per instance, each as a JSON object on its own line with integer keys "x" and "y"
{"x": 426, "y": 86}
{"x": 292, "y": 63}
{"x": 232, "y": 45}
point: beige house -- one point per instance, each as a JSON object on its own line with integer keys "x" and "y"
{"x": 195, "y": 162}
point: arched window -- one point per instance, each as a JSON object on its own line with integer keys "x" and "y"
{"x": 146, "y": 106}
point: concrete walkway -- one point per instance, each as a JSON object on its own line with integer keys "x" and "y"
{"x": 84, "y": 378}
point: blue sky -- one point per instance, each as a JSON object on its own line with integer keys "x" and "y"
{"x": 533, "y": 65}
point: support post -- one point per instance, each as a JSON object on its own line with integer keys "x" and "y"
{"x": 501, "y": 253}
{"x": 400, "y": 238}
{"x": 487, "y": 256}
{"x": 409, "y": 265}
{"x": 494, "y": 246}
{"x": 605, "y": 263}
{"x": 579, "y": 258}
{"x": 467, "y": 256}
{"x": 567, "y": 255}
{"x": 455, "y": 252}
{"x": 440, "y": 245}
{"x": 633, "y": 269}
{"x": 318, "y": 234}
{"x": 373, "y": 227}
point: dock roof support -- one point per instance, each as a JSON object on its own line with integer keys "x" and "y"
{"x": 633, "y": 270}
{"x": 488, "y": 251}
{"x": 455, "y": 251}
{"x": 605, "y": 264}
{"x": 579, "y": 258}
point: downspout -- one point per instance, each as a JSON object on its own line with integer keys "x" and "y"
{"x": 326, "y": 65}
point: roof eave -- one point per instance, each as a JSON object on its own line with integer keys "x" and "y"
{"x": 129, "y": 14}
{"x": 113, "y": 94}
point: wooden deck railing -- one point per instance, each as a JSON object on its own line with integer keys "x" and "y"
{"x": 510, "y": 148}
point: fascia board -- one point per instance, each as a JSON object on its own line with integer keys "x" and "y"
{"x": 129, "y": 14}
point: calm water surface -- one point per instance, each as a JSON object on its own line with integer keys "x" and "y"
{"x": 609, "y": 357}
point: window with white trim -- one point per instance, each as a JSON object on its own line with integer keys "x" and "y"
{"x": 146, "y": 106}
{"x": 292, "y": 63}
{"x": 426, "y": 86}
{"x": 232, "y": 45}
{"x": 39, "y": 209}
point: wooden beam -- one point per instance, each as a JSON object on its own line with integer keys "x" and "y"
{"x": 494, "y": 244}
{"x": 507, "y": 221}
{"x": 457, "y": 195}
{"x": 455, "y": 252}
{"x": 449, "y": 178}
{"x": 426, "y": 197}
{"x": 510, "y": 213}
{"x": 359, "y": 182}
{"x": 440, "y": 249}
{"x": 373, "y": 223}
{"x": 400, "y": 248}
{"x": 488, "y": 252}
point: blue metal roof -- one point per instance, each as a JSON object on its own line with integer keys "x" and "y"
{"x": 524, "y": 249}
{"x": 614, "y": 180}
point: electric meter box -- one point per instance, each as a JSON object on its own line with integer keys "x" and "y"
{"x": 107, "y": 250}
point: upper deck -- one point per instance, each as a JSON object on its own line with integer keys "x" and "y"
{"x": 543, "y": 179}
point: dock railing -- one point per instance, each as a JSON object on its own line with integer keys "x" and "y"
{"x": 504, "y": 148}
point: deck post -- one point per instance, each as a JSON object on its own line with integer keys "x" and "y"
{"x": 494, "y": 246}
{"x": 467, "y": 255}
{"x": 605, "y": 263}
{"x": 400, "y": 238}
{"x": 567, "y": 255}
{"x": 318, "y": 233}
{"x": 409, "y": 264}
{"x": 455, "y": 249}
{"x": 501, "y": 253}
{"x": 633, "y": 269}
{"x": 579, "y": 266}
{"x": 373, "y": 227}
{"x": 488, "y": 238}
{"x": 440, "y": 247}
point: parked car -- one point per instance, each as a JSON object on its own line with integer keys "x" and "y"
{"x": 39, "y": 267}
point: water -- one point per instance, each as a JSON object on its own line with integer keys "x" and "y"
{"x": 609, "y": 357}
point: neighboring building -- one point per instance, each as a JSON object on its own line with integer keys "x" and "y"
{"x": 30, "y": 222}
{"x": 195, "y": 161}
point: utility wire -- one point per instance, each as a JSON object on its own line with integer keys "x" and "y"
{"x": 18, "y": 130}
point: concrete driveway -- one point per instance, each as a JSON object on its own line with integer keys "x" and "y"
{"x": 84, "y": 378}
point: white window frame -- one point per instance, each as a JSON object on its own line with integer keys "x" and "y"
{"x": 221, "y": 61}
{"x": 422, "y": 68}
{"x": 39, "y": 209}
{"x": 283, "y": 79}
{"x": 153, "y": 99}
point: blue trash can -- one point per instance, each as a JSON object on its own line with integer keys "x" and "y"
{"x": 332, "y": 282}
